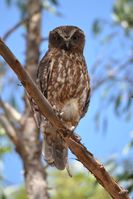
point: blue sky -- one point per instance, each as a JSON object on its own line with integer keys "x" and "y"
{"x": 82, "y": 14}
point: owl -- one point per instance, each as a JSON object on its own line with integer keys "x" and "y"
{"x": 63, "y": 79}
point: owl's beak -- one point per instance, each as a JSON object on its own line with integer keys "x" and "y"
{"x": 67, "y": 44}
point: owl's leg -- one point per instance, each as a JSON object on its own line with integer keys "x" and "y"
{"x": 57, "y": 112}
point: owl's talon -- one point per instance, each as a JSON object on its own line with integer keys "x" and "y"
{"x": 57, "y": 112}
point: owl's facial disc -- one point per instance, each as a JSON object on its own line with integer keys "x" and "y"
{"x": 67, "y": 37}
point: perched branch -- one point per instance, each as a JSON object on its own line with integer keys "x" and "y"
{"x": 74, "y": 144}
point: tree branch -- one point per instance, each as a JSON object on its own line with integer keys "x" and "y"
{"x": 74, "y": 144}
{"x": 11, "y": 132}
{"x": 11, "y": 113}
{"x": 18, "y": 24}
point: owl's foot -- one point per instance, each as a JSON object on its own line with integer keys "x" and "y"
{"x": 78, "y": 138}
{"x": 57, "y": 112}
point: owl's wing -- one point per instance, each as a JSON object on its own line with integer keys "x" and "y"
{"x": 87, "y": 103}
{"x": 88, "y": 90}
{"x": 43, "y": 74}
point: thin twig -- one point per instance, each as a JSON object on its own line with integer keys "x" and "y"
{"x": 18, "y": 24}
{"x": 14, "y": 28}
{"x": 74, "y": 144}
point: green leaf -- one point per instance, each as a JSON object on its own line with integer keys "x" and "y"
{"x": 22, "y": 6}
{"x": 2, "y": 131}
{"x": 123, "y": 13}
{"x": 96, "y": 27}
{"x": 117, "y": 103}
{"x": 55, "y": 2}
{"x": 4, "y": 150}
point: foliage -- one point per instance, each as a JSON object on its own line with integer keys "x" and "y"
{"x": 13, "y": 192}
{"x": 79, "y": 186}
{"x": 114, "y": 66}
{"x": 49, "y": 5}
{"x": 123, "y": 13}
{"x": 114, "y": 62}
{"x": 126, "y": 174}
{"x": 5, "y": 146}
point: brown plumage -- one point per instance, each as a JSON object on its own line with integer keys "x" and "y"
{"x": 63, "y": 79}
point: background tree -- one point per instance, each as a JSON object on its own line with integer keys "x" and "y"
{"x": 22, "y": 130}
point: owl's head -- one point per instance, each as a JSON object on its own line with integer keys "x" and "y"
{"x": 69, "y": 38}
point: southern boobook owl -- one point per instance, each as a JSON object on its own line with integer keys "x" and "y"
{"x": 63, "y": 79}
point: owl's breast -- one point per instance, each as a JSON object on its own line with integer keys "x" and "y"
{"x": 68, "y": 80}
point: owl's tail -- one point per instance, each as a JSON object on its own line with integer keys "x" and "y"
{"x": 55, "y": 150}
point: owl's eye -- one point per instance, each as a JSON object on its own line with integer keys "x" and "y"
{"x": 58, "y": 38}
{"x": 75, "y": 37}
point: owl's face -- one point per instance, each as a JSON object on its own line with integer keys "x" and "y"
{"x": 69, "y": 38}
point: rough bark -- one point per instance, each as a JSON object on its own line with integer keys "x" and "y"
{"x": 84, "y": 156}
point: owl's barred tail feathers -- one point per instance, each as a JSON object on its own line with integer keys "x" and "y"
{"x": 55, "y": 150}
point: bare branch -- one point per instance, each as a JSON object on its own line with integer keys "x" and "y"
{"x": 11, "y": 113}
{"x": 74, "y": 144}
{"x": 11, "y": 132}
{"x": 18, "y": 24}
{"x": 14, "y": 28}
